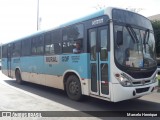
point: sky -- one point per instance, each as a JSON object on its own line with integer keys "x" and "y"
{"x": 18, "y": 18}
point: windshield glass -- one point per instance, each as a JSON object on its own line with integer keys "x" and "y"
{"x": 137, "y": 49}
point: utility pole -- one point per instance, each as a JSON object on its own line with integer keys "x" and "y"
{"x": 37, "y": 15}
{"x": 1, "y": 52}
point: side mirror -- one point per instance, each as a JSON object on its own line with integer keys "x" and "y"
{"x": 119, "y": 40}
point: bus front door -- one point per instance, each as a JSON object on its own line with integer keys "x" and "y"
{"x": 9, "y": 60}
{"x": 98, "y": 38}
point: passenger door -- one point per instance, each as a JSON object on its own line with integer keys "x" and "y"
{"x": 99, "y": 63}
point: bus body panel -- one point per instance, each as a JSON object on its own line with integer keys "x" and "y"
{"x": 121, "y": 93}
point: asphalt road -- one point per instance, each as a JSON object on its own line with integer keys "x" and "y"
{"x": 31, "y": 97}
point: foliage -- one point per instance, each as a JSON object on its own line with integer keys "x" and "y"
{"x": 158, "y": 80}
{"x": 156, "y": 28}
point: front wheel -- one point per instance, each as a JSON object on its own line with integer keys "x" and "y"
{"x": 73, "y": 88}
{"x": 18, "y": 77}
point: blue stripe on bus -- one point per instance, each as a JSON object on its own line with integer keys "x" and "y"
{"x": 36, "y": 64}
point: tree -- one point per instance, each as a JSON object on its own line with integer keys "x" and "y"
{"x": 156, "y": 28}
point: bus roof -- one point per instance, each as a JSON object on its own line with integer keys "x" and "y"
{"x": 88, "y": 17}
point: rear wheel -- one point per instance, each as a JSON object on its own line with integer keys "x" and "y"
{"x": 18, "y": 77}
{"x": 73, "y": 88}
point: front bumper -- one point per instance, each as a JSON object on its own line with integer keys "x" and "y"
{"x": 123, "y": 93}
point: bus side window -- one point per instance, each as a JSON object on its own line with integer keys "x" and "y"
{"x": 71, "y": 35}
{"x": 57, "y": 48}
{"x": 4, "y": 51}
{"x": 52, "y": 42}
{"x": 37, "y": 45}
{"x": 33, "y": 46}
{"x": 47, "y": 39}
{"x": 26, "y": 47}
{"x": 68, "y": 47}
{"x": 16, "y": 49}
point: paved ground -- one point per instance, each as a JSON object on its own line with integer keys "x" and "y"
{"x": 31, "y": 97}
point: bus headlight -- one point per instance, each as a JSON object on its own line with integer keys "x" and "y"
{"x": 123, "y": 79}
{"x": 155, "y": 78}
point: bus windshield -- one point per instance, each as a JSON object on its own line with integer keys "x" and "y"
{"x": 137, "y": 49}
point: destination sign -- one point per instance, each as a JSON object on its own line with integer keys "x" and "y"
{"x": 97, "y": 21}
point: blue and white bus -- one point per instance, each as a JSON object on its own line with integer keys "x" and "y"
{"x": 116, "y": 59}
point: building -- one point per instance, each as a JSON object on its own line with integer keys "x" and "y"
{"x": 154, "y": 17}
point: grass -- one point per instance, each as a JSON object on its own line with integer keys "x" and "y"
{"x": 159, "y": 80}
{"x": 158, "y": 83}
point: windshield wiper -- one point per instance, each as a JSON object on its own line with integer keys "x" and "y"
{"x": 146, "y": 36}
{"x": 145, "y": 39}
{"x": 132, "y": 33}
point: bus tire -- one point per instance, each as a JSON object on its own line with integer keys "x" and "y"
{"x": 18, "y": 77}
{"x": 73, "y": 88}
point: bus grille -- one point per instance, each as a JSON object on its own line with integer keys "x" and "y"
{"x": 141, "y": 90}
{"x": 138, "y": 83}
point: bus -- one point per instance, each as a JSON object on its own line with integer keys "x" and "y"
{"x": 116, "y": 59}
